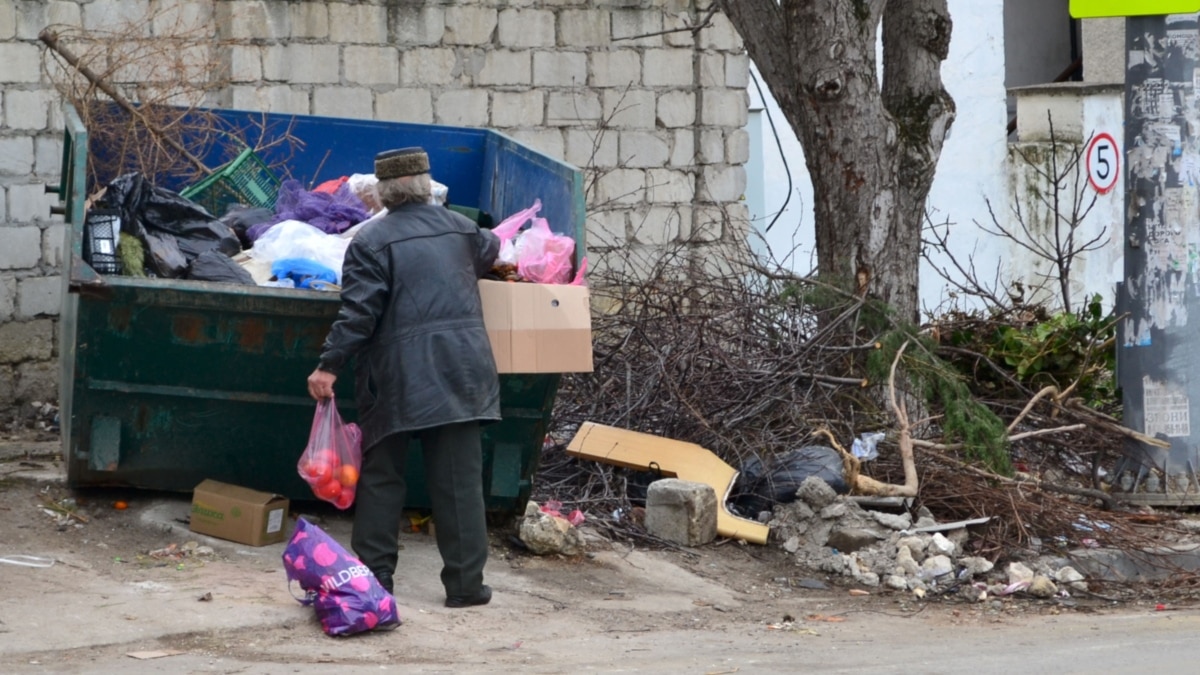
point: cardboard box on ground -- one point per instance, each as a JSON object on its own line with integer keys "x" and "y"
{"x": 238, "y": 513}
{"x": 538, "y": 328}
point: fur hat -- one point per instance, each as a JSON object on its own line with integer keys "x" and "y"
{"x": 402, "y": 162}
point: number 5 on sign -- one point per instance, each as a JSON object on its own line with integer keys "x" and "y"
{"x": 1103, "y": 163}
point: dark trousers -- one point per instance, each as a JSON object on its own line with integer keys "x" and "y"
{"x": 454, "y": 478}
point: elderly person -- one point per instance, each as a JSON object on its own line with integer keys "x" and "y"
{"x": 411, "y": 315}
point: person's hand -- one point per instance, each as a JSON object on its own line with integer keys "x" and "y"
{"x": 320, "y": 384}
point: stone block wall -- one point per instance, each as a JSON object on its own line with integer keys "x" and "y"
{"x": 653, "y": 114}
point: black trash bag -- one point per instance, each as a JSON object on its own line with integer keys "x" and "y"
{"x": 216, "y": 266}
{"x": 241, "y": 218}
{"x": 759, "y": 486}
{"x": 174, "y": 230}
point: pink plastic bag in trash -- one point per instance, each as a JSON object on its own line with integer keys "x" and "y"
{"x": 509, "y": 228}
{"x": 544, "y": 257}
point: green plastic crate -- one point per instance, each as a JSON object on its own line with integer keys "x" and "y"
{"x": 245, "y": 180}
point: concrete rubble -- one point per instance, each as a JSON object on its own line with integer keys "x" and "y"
{"x": 831, "y": 534}
{"x": 546, "y": 534}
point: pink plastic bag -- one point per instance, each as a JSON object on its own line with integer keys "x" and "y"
{"x": 508, "y": 229}
{"x": 544, "y": 257}
{"x": 331, "y": 461}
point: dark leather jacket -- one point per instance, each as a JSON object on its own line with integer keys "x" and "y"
{"x": 411, "y": 315}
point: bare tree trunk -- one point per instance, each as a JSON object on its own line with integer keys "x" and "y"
{"x": 871, "y": 151}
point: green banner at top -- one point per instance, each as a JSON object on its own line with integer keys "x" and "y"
{"x": 1090, "y": 9}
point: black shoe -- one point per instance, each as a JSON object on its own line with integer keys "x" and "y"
{"x": 385, "y": 579}
{"x": 483, "y": 597}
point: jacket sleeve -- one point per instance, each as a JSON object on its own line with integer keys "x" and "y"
{"x": 487, "y": 248}
{"x": 365, "y": 292}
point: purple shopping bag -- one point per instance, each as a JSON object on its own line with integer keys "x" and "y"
{"x": 339, "y": 587}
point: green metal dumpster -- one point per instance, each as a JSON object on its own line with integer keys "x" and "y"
{"x": 168, "y": 382}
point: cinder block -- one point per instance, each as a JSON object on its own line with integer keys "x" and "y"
{"x": 643, "y": 149}
{"x": 427, "y": 66}
{"x": 675, "y": 21}
{"x": 591, "y": 148}
{"x": 3, "y": 203}
{"x": 621, "y": 186}
{"x": 116, "y": 15}
{"x": 668, "y": 68}
{"x": 16, "y": 156}
{"x": 27, "y": 204}
{"x": 47, "y": 151}
{"x": 668, "y": 186}
{"x": 254, "y": 20}
{"x": 174, "y": 17}
{"x": 707, "y": 225}
{"x": 683, "y": 148}
{"x": 245, "y": 63}
{"x": 682, "y": 511}
{"x": 36, "y": 381}
{"x": 615, "y": 69}
{"x": 559, "y": 69}
{"x": 584, "y": 28}
{"x": 358, "y": 23}
{"x": 724, "y": 107}
{"x": 629, "y": 25}
{"x": 737, "y": 71}
{"x": 468, "y": 25}
{"x": 422, "y": 27}
{"x": 371, "y": 65}
{"x": 607, "y": 228}
{"x": 8, "y": 20}
{"x": 8, "y": 385}
{"x": 712, "y": 70}
{"x": 657, "y": 225}
{"x": 39, "y": 296}
{"x": 65, "y": 13}
{"x": 677, "y": 109}
{"x": 712, "y": 146}
{"x": 352, "y": 102}
{"x": 8, "y": 298}
{"x": 405, "y": 105}
{"x": 22, "y": 63}
{"x": 309, "y": 20}
{"x": 26, "y": 340}
{"x": 546, "y": 141}
{"x": 462, "y": 107}
{"x": 720, "y": 35}
{"x": 629, "y": 109}
{"x": 525, "y": 28}
{"x": 737, "y": 146}
{"x": 22, "y": 247}
{"x": 501, "y": 67}
{"x": 53, "y": 241}
{"x": 302, "y": 64}
{"x": 519, "y": 109}
{"x": 722, "y": 183}
{"x": 572, "y": 108}
{"x": 271, "y": 98}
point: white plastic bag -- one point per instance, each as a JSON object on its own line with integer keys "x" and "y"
{"x": 294, "y": 239}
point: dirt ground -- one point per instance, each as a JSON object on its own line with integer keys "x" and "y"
{"x": 114, "y": 586}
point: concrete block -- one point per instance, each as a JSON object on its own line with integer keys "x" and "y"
{"x": 737, "y": 71}
{"x": 607, "y": 228}
{"x": 116, "y": 15}
{"x": 712, "y": 70}
{"x": 518, "y": 109}
{"x": 737, "y": 146}
{"x": 707, "y": 225}
{"x": 502, "y": 67}
{"x": 629, "y": 109}
{"x": 245, "y": 63}
{"x": 683, "y": 148}
{"x": 353, "y": 102}
{"x": 643, "y": 149}
{"x": 27, "y": 110}
{"x": 525, "y": 28}
{"x": 179, "y": 16}
{"x": 573, "y": 108}
{"x": 405, "y": 105}
{"x": 682, "y": 511}
{"x": 720, "y": 35}
{"x": 53, "y": 241}
{"x": 253, "y": 20}
{"x": 629, "y": 24}
{"x": 425, "y": 26}
{"x": 669, "y": 186}
{"x": 584, "y": 28}
{"x": 26, "y": 340}
{"x": 8, "y": 298}
{"x": 462, "y": 107}
{"x": 371, "y": 65}
{"x": 22, "y": 63}
{"x": 28, "y": 203}
{"x": 271, "y": 98}
{"x": 676, "y": 21}
{"x": 668, "y": 68}
{"x": 309, "y": 20}
{"x": 8, "y": 385}
{"x": 615, "y": 69}
{"x": 712, "y": 146}
{"x": 724, "y": 107}
{"x": 8, "y": 21}
{"x": 722, "y": 183}
{"x": 559, "y": 69}
{"x": 427, "y": 66}
{"x": 16, "y": 156}
{"x": 63, "y": 13}
{"x": 303, "y": 64}
{"x": 736, "y": 227}
{"x": 469, "y": 25}
{"x": 39, "y": 296}
{"x": 358, "y": 23}
{"x": 658, "y": 225}
{"x": 677, "y": 109}
{"x": 36, "y": 381}
{"x": 591, "y": 148}
{"x": 47, "y": 152}
{"x": 22, "y": 247}
{"x": 621, "y": 186}
{"x": 546, "y": 141}
{"x": 3, "y": 203}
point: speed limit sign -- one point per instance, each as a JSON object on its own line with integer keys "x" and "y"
{"x": 1103, "y": 163}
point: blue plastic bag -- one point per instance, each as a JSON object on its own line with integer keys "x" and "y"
{"x": 305, "y": 273}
